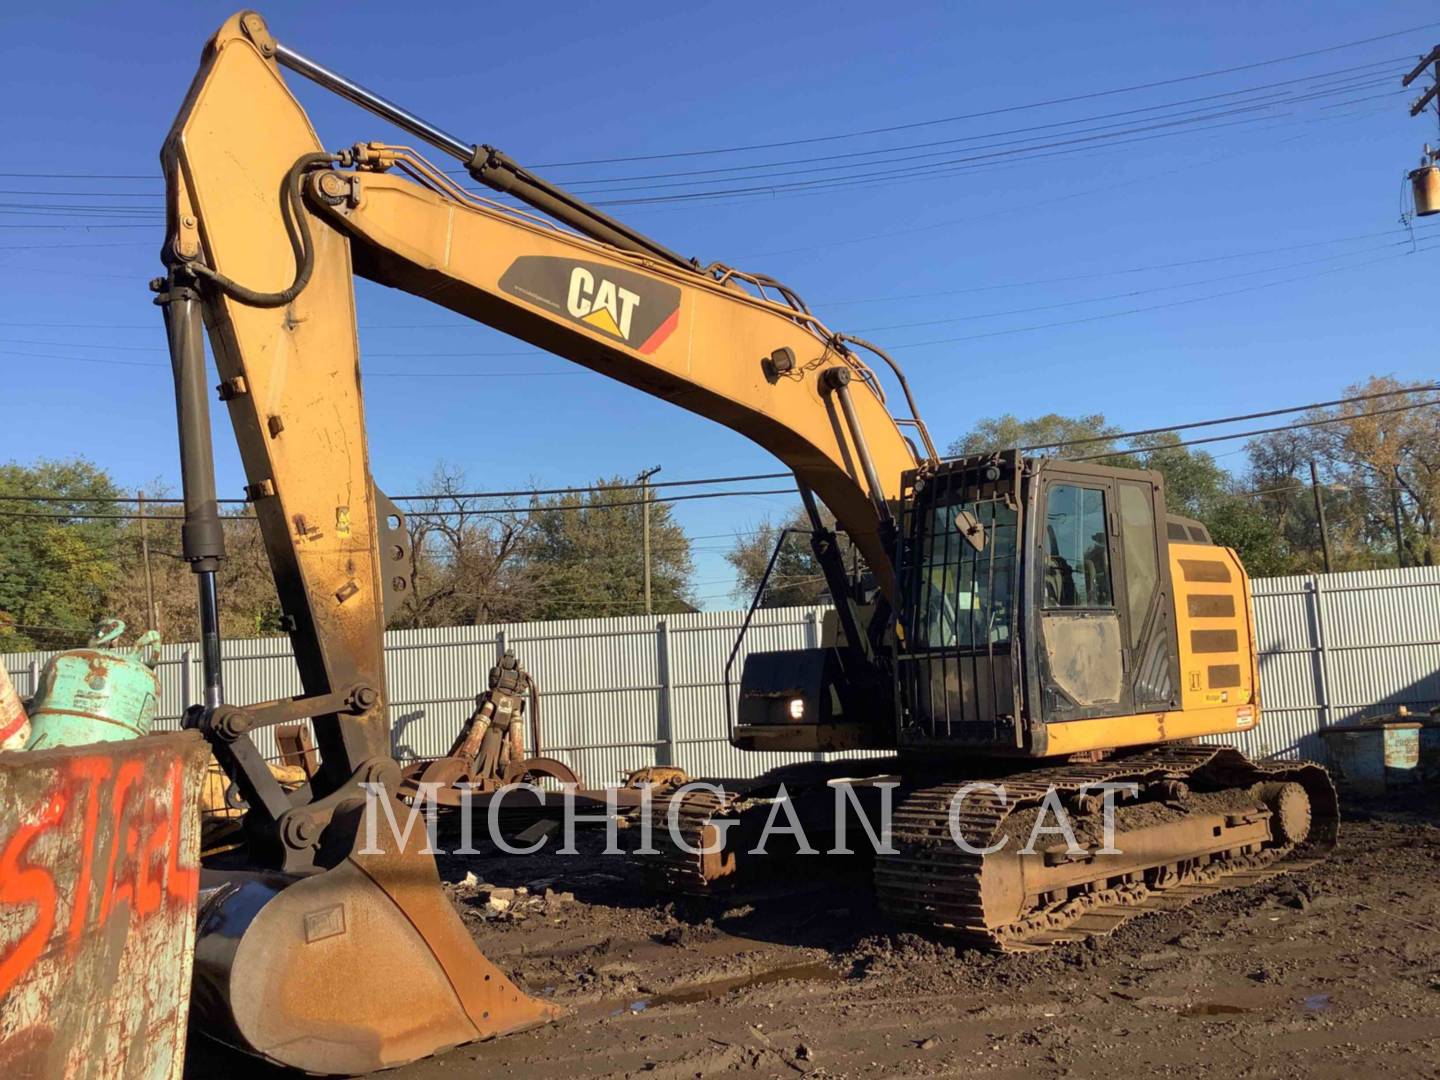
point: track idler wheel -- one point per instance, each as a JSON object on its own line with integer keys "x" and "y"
{"x": 360, "y": 967}
{"x": 1289, "y": 805}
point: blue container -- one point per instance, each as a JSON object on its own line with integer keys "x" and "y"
{"x": 96, "y": 694}
{"x": 1387, "y": 753}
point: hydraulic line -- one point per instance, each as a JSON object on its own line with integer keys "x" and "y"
{"x": 488, "y": 165}
{"x": 297, "y": 229}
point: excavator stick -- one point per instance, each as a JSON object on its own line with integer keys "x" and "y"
{"x": 325, "y": 942}
{"x": 361, "y": 967}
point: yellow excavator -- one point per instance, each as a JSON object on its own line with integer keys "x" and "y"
{"x": 1038, "y": 625}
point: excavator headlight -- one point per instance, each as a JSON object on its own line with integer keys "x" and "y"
{"x": 797, "y": 708}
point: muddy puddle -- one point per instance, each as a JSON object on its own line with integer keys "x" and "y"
{"x": 1213, "y": 1008}
{"x": 706, "y": 991}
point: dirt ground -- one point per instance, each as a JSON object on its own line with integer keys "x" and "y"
{"x": 1332, "y": 971}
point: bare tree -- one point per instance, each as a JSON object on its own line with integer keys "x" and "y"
{"x": 465, "y": 553}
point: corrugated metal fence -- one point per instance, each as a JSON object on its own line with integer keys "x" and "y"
{"x": 1334, "y": 647}
{"x": 617, "y": 694}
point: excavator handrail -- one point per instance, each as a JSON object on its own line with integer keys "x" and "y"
{"x": 755, "y": 601}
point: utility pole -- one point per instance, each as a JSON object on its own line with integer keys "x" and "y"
{"x": 1320, "y": 516}
{"x": 152, "y": 623}
{"x": 1399, "y": 534}
{"x": 1425, "y": 181}
{"x": 644, "y": 479}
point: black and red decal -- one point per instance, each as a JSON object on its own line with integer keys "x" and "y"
{"x": 623, "y": 304}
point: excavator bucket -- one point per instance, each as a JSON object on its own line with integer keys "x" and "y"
{"x": 360, "y": 967}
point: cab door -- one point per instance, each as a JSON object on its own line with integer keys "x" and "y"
{"x": 1106, "y": 643}
{"x": 1082, "y": 642}
{"x": 1151, "y": 655}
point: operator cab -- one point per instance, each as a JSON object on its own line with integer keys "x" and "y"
{"x": 1033, "y": 591}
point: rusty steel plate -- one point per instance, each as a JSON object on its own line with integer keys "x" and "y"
{"x": 99, "y": 868}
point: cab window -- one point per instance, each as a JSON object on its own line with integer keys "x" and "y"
{"x": 1077, "y": 564}
{"x": 1142, "y": 568}
{"x": 965, "y": 593}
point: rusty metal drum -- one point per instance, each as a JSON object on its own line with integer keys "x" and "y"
{"x": 96, "y": 694}
{"x": 14, "y": 724}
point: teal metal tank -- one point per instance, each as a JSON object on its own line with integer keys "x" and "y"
{"x": 96, "y": 694}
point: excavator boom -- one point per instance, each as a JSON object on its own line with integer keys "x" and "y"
{"x": 266, "y": 230}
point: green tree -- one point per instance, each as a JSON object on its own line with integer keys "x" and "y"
{"x": 1089, "y": 435}
{"x": 249, "y": 606}
{"x": 1388, "y": 450}
{"x": 1378, "y": 459}
{"x": 1235, "y": 522}
{"x": 67, "y": 562}
{"x": 56, "y": 558}
{"x": 796, "y": 578}
{"x": 583, "y": 555}
{"x": 467, "y": 557}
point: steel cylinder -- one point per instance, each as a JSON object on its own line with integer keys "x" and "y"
{"x": 93, "y": 695}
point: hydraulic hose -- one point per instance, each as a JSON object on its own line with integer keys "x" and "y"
{"x": 297, "y": 229}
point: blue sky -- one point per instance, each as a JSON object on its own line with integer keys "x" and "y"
{"x": 1007, "y": 283}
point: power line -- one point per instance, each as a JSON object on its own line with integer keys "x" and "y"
{"x": 111, "y": 362}
{"x": 1190, "y": 166}
{"x": 1029, "y": 137}
{"x": 11, "y": 225}
{"x": 514, "y": 493}
{"x": 949, "y": 171}
{"x": 809, "y": 180}
{"x": 987, "y": 155}
{"x": 155, "y": 327}
{"x": 1150, "y": 268}
{"x": 158, "y": 329}
{"x": 610, "y": 505}
{"x": 1338, "y": 80}
{"x": 1339, "y": 85}
{"x": 81, "y": 176}
{"x": 1061, "y": 147}
{"x": 1424, "y": 388}
{"x": 577, "y": 507}
{"x": 61, "y": 247}
{"x": 1152, "y": 307}
{"x": 1104, "y": 316}
{"x": 815, "y": 183}
{"x": 1092, "y": 95}
{"x": 602, "y": 487}
{"x": 1311, "y": 78}
{"x": 814, "y": 176}
{"x": 1267, "y": 431}
{"x": 1134, "y": 292}
{"x": 1421, "y": 389}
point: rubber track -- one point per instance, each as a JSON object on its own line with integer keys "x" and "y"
{"x": 931, "y": 882}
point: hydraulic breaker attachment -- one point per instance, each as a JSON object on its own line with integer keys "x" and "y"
{"x": 360, "y": 967}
